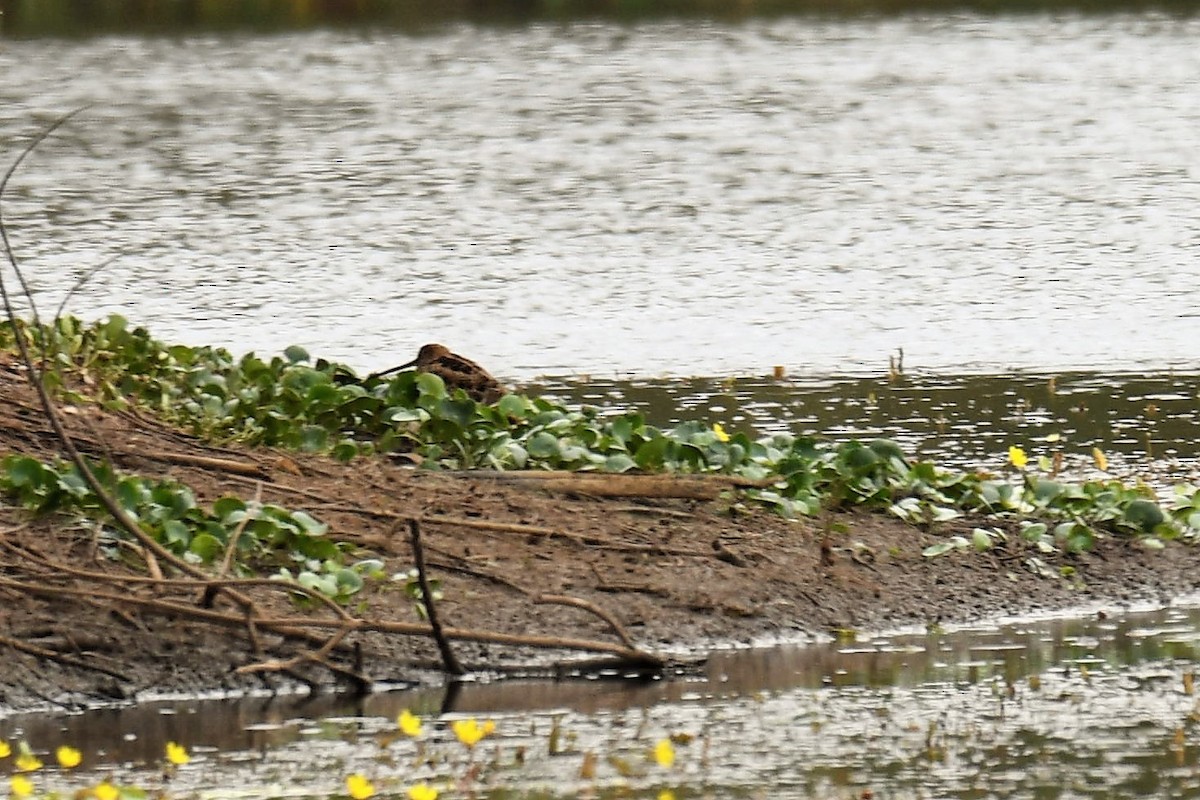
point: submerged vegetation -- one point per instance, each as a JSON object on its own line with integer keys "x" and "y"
{"x": 293, "y": 401}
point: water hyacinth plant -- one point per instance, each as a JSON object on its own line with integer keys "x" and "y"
{"x": 295, "y": 402}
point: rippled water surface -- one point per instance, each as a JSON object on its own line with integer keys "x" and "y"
{"x": 685, "y": 198}
{"x": 608, "y": 204}
{"x": 1147, "y": 426}
{"x": 1100, "y": 707}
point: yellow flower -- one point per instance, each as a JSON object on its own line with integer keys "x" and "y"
{"x": 28, "y": 762}
{"x": 719, "y": 432}
{"x": 410, "y": 723}
{"x": 1100, "y": 459}
{"x": 20, "y": 786}
{"x": 68, "y": 757}
{"x": 177, "y": 754}
{"x": 422, "y": 791}
{"x": 664, "y": 753}
{"x": 5, "y": 750}
{"x": 106, "y": 791}
{"x": 469, "y": 731}
{"x": 666, "y": 794}
{"x": 1017, "y": 457}
{"x": 359, "y": 787}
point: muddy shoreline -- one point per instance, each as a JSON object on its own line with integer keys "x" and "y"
{"x": 678, "y": 576}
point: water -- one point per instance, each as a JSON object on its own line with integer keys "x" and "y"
{"x": 1146, "y": 426}
{"x": 1008, "y": 199}
{"x": 1096, "y": 707}
{"x": 683, "y": 198}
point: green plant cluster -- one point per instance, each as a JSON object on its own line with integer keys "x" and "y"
{"x": 268, "y": 536}
{"x": 291, "y": 401}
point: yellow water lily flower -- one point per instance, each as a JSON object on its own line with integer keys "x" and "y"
{"x": 106, "y": 791}
{"x": 5, "y": 749}
{"x": 422, "y": 791}
{"x": 359, "y": 787}
{"x": 410, "y": 723}
{"x": 1100, "y": 459}
{"x": 28, "y": 762}
{"x": 719, "y": 432}
{"x": 666, "y": 794}
{"x": 1017, "y": 457}
{"x": 469, "y": 731}
{"x": 20, "y": 786}
{"x": 664, "y": 753}
{"x": 177, "y": 754}
{"x": 68, "y": 757}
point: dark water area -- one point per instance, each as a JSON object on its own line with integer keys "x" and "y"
{"x": 931, "y": 712}
{"x": 1146, "y": 425}
{"x": 32, "y": 18}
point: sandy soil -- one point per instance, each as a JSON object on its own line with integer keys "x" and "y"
{"x": 677, "y": 575}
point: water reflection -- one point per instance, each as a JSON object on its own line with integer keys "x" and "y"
{"x": 1147, "y": 425}
{"x": 1096, "y": 706}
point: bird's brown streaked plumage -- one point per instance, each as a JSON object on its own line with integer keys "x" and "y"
{"x": 455, "y": 371}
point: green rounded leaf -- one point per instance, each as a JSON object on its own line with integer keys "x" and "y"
{"x": 543, "y": 444}
{"x": 1144, "y": 514}
{"x": 619, "y": 462}
{"x": 295, "y": 354}
{"x": 348, "y": 581}
{"x": 26, "y": 471}
{"x": 207, "y": 546}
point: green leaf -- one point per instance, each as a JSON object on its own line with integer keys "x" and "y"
{"x": 1045, "y": 491}
{"x": 619, "y": 462}
{"x": 348, "y": 581}
{"x": 653, "y": 454}
{"x": 543, "y": 444}
{"x": 308, "y": 524}
{"x": 399, "y": 415}
{"x": 981, "y": 540}
{"x": 1144, "y": 514}
{"x": 886, "y": 448}
{"x": 176, "y": 533}
{"x": 73, "y": 484}
{"x": 430, "y": 387}
{"x": 941, "y": 548}
{"x": 227, "y": 505}
{"x": 313, "y": 438}
{"x": 345, "y": 451}
{"x": 207, "y": 546}
{"x": 1034, "y": 531}
{"x": 513, "y": 405}
{"x": 460, "y": 411}
{"x": 295, "y": 354}
{"x": 325, "y": 584}
{"x": 26, "y": 471}
{"x": 1074, "y": 537}
{"x": 622, "y": 429}
{"x": 944, "y": 514}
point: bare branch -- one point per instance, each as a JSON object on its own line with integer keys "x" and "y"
{"x": 449, "y": 660}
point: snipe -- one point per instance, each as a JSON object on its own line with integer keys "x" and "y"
{"x": 455, "y": 371}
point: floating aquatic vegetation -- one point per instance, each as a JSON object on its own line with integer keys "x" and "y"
{"x": 320, "y": 406}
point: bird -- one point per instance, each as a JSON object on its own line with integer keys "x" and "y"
{"x": 455, "y": 371}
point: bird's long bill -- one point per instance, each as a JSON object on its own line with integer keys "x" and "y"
{"x": 405, "y": 365}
